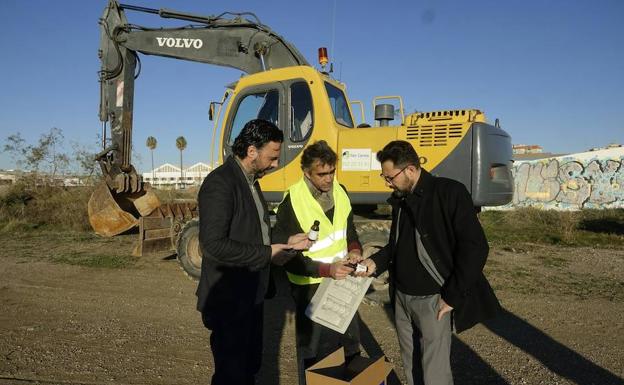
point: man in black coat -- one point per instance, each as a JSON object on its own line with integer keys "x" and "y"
{"x": 435, "y": 256}
{"x": 234, "y": 235}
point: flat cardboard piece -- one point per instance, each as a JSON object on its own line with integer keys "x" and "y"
{"x": 335, "y": 301}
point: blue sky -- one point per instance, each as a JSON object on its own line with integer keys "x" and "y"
{"x": 551, "y": 71}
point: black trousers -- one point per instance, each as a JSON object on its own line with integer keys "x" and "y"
{"x": 315, "y": 341}
{"x": 236, "y": 343}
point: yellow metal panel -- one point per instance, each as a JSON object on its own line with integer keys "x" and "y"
{"x": 353, "y": 147}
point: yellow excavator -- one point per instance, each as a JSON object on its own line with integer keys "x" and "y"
{"x": 306, "y": 103}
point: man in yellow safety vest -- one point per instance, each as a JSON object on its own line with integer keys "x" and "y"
{"x": 318, "y": 197}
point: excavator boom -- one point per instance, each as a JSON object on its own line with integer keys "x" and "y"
{"x": 228, "y": 39}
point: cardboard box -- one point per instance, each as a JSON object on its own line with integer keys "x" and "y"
{"x": 332, "y": 370}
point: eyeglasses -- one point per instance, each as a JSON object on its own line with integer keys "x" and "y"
{"x": 389, "y": 179}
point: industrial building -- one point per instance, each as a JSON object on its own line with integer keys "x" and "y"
{"x": 169, "y": 176}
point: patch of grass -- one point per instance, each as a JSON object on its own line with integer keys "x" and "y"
{"x": 513, "y": 228}
{"x": 169, "y": 195}
{"x": 548, "y": 270}
{"x": 71, "y": 247}
{"x": 519, "y": 272}
{"x": 493, "y": 263}
{"x": 93, "y": 260}
{"x": 17, "y": 225}
{"x": 86, "y": 237}
{"x": 551, "y": 261}
{"x": 585, "y": 287}
{"x": 64, "y": 208}
{"x": 25, "y": 206}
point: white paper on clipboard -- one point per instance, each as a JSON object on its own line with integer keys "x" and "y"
{"x": 335, "y": 302}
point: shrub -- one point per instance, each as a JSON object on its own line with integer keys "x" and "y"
{"x": 65, "y": 208}
{"x": 573, "y": 228}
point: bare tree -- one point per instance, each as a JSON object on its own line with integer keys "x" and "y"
{"x": 15, "y": 146}
{"x": 44, "y": 156}
{"x": 83, "y": 161}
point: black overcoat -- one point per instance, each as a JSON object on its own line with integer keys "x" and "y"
{"x": 453, "y": 237}
{"x": 235, "y": 264}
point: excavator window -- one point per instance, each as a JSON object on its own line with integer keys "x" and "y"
{"x": 339, "y": 105}
{"x": 301, "y": 120}
{"x": 262, "y": 105}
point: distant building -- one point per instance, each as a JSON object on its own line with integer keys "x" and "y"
{"x": 608, "y": 146}
{"x": 44, "y": 179}
{"x": 526, "y": 149}
{"x": 7, "y": 177}
{"x": 530, "y": 152}
{"x": 169, "y": 176}
{"x": 197, "y": 172}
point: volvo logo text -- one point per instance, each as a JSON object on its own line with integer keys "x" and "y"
{"x": 179, "y": 42}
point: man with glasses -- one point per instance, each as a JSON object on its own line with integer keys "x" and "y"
{"x": 318, "y": 197}
{"x": 435, "y": 257}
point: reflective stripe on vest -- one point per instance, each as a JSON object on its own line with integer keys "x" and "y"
{"x": 332, "y": 241}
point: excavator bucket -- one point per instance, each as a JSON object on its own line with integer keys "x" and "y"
{"x": 111, "y": 215}
{"x": 160, "y": 230}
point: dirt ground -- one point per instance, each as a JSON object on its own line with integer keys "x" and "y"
{"x": 69, "y": 324}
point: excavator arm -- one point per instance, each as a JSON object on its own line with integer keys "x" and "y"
{"x": 236, "y": 42}
{"x": 228, "y": 39}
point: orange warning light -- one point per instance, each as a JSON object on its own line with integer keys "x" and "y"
{"x": 322, "y": 56}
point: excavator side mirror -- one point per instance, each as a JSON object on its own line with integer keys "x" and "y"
{"x": 211, "y": 111}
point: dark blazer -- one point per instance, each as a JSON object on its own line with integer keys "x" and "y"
{"x": 235, "y": 265}
{"x": 451, "y": 234}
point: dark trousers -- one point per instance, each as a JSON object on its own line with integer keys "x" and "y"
{"x": 315, "y": 341}
{"x": 236, "y": 343}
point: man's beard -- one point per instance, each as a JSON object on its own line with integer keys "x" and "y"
{"x": 259, "y": 173}
{"x": 399, "y": 194}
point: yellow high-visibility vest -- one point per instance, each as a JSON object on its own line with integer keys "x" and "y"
{"x": 332, "y": 240}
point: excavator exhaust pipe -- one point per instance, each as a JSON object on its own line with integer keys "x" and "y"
{"x": 112, "y": 215}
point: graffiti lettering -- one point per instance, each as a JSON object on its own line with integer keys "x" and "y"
{"x": 569, "y": 183}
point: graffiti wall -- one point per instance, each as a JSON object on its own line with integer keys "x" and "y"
{"x": 585, "y": 180}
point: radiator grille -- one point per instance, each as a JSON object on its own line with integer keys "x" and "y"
{"x": 434, "y": 135}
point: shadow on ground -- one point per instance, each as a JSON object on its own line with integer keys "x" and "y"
{"x": 606, "y": 226}
{"x": 557, "y": 357}
{"x": 468, "y": 366}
